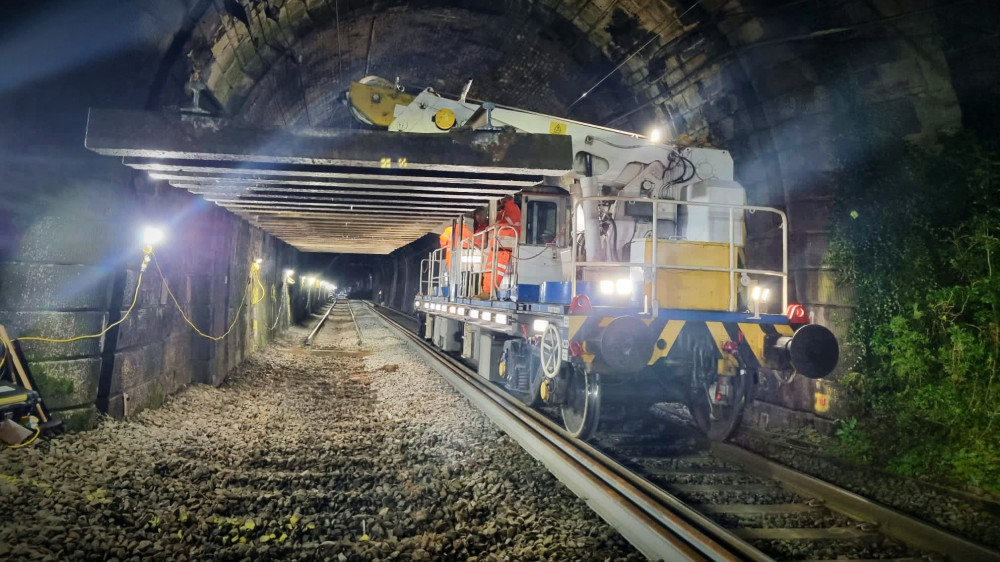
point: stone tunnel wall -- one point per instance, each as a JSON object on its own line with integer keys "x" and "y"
{"x": 395, "y": 278}
{"x": 69, "y": 247}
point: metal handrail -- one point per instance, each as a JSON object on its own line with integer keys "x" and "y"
{"x": 655, "y": 267}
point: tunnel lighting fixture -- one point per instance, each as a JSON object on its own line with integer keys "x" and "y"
{"x": 461, "y": 311}
{"x": 307, "y": 280}
{"x": 487, "y": 315}
{"x": 655, "y": 135}
{"x": 501, "y": 319}
{"x": 539, "y": 325}
{"x": 474, "y": 314}
{"x": 289, "y": 272}
{"x": 152, "y": 235}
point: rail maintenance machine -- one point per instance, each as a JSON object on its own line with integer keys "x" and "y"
{"x": 625, "y": 282}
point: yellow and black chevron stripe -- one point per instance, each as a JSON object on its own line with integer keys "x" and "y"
{"x": 676, "y": 337}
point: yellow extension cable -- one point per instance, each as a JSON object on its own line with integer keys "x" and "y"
{"x": 255, "y": 275}
{"x": 38, "y": 431}
{"x": 135, "y": 299}
{"x": 188, "y": 320}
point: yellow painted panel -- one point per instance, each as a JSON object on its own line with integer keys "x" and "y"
{"x": 669, "y": 335}
{"x": 719, "y": 334}
{"x": 377, "y": 103}
{"x": 784, "y": 329}
{"x": 695, "y": 290}
{"x": 754, "y": 335}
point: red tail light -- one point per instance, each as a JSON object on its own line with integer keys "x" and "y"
{"x": 575, "y": 348}
{"x": 796, "y": 314}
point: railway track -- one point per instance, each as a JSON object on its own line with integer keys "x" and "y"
{"x": 675, "y": 498}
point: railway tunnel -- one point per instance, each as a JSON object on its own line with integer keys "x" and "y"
{"x": 227, "y": 123}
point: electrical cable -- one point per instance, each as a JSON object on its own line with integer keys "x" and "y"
{"x": 188, "y": 320}
{"x": 277, "y": 315}
{"x": 255, "y": 277}
{"x": 3, "y": 360}
{"x": 614, "y": 243}
{"x": 135, "y": 299}
{"x": 38, "y": 431}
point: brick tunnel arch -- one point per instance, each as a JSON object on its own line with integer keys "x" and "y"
{"x": 781, "y": 87}
{"x": 778, "y": 86}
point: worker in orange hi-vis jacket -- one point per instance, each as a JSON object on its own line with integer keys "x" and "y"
{"x": 445, "y": 240}
{"x": 504, "y": 241}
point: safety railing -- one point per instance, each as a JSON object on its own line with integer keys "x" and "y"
{"x": 483, "y": 257}
{"x": 478, "y": 257}
{"x": 650, "y": 270}
{"x": 433, "y": 274}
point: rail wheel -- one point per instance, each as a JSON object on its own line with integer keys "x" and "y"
{"x": 717, "y": 408}
{"x": 581, "y": 410}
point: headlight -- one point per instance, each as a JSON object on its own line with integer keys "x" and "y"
{"x": 621, "y": 286}
{"x": 487, "y": 315}
{"x": 624, "y": 286}
{"x": 461, "y": 311}
{"x": 501, "y": 319}
{"x": 539, "y": 325}
{"x": 474, "y": 314}
{"x": 607, "y": 287}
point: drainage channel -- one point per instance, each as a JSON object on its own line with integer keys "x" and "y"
{"x": 725, "y": 503}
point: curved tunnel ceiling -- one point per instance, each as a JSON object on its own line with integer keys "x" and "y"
{"x": 291, "y": 69}
{"x": 779, "y": 85}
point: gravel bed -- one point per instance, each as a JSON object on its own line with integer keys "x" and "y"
{"x": 882, "y": 549}
{"x": 905, "y": 494}
{"x": 338, "y": 454}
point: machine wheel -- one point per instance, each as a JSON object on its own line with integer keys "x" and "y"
{"x": 719, "y": 420}
{"x": 551, "y": 351}
{"x": 581, "y": 410}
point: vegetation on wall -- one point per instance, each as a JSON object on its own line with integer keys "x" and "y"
{"x": 917, "y": 233}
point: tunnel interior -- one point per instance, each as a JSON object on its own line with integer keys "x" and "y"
{"x": 786, "y": 88}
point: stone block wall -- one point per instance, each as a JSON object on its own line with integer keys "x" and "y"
{"x": 69, "y": 247}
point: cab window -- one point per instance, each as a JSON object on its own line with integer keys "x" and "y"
{"x": 542, "y": 223}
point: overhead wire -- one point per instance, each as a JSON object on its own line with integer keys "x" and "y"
{"x": 631, "y": 56}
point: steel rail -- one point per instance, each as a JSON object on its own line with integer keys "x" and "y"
{"x": 656, "y": 523}
{"x": 898, "y": 525}
{"x": 907, "y": 529}
{"x": 320, "y": 323}
{"x": 355, "y": 320}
